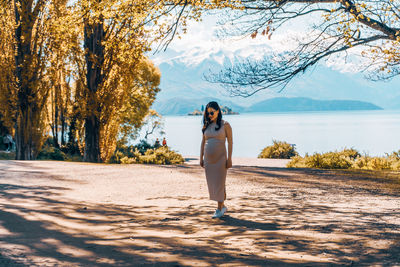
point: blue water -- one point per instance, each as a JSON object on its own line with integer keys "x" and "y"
{"x": 371, "y": 132}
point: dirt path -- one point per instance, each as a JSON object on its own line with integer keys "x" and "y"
{"x": 77, "y": 214}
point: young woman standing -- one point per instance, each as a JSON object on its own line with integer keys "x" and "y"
{"x": 213, "y": 156}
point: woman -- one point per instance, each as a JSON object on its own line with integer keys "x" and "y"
{"x": 213, "y": 154}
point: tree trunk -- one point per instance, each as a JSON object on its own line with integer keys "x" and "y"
{"x": 55, "y": 121}
{"x": 72, "y": 127}
{"x": 93, "y": 41}
{"x": 23, "y": 58}
{"x": 64, "y": 106}
{"x": 62, "y": 119}
{"x": 23, "y": 137}
{"x": 92, "y": 139}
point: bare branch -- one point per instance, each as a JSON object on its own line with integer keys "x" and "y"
{"x": 344, "y": 24}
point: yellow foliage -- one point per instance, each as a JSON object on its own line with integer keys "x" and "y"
{"x": 26, "y": 45}
{"x": 159, "y": 156}
{"x": 346, "y": 159}
{"x": 279, "y": 150}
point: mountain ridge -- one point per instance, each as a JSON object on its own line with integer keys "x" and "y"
{"x": 183, "y": 106}
{"x": 183, "y": 76}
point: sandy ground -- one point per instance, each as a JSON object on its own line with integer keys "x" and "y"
{"x": 78, "y": 214}
{"x": 248, "y": 162}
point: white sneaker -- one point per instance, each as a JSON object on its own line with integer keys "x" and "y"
{"x": 217, "y": 214}
{"x": 224, "y": 209}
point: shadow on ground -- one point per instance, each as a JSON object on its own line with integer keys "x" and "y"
{"x": 296, "y": 221}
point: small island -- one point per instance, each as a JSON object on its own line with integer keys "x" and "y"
{"x": 225, "y": 111}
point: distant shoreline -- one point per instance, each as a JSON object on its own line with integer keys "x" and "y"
{"x": 224, "y": 109}
{"x": 278, "y": 104}
{"x": 295, "y": 112}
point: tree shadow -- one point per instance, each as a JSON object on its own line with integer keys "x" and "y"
{"x": 247, "y": 224}
{"x": 7, "y": 262}
{"x": 289, "y": 225}
{"x": 128, "y": 244}
{"x": 373, "y": 182}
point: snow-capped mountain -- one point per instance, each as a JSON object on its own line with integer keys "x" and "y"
{"x": 183, "y": 72}
{"x": 218, "y": 54}
{"x": 183, "y": 83}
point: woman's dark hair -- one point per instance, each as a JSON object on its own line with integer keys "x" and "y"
{"x": 206, "y": 118}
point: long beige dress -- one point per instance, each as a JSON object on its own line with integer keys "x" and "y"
{"x": 215, "y": 161}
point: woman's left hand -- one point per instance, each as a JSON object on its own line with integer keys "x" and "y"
{"x": 228, "y": 163}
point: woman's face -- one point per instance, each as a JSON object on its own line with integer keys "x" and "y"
{"x": 212, "y": 114}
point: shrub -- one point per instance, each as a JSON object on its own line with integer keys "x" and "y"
{"x": 346, "y": 159}
{"x": 52, "y": 153}
{"x": 394, "y": 156}
{"x": 297, "y": 162}
{"x": 279, "y": 150}
{"x": 7, "y": 155}
{"x": 146, "y": 154}
{"x": 350, "y": 153}
{"x": 126, "y": 160}
{"x": 71, "y": 149}
{"x": 143, "y": 146}
{"x": 2, "y": 145}
{"x": 379, "y": 164}
{"x": 116, "y": 157}
{"x": 330, "y": 160}
{"x": 376, "y": 163}
{"x": 161, "y": 155}
{"x": 361, "y": 163}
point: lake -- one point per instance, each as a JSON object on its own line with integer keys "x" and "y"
{"x": 371, "y": 132}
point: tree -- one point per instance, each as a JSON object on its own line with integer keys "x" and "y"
{"x": 60, "y": 73}
{"x": 26, "y": 43}
{"x": 141, "y": 96}
{"x": 104, "y": 40}
{"x": 369, "y": 29}
{"x": 30, "y": 43}
{"x": 7, "y": 81}
{"x": 115, "y": 39}
{"x": 153, "y": 124}
{"x": 120, "y": 83}
{"x": 171, "y": 16}
{"x": 138, "y": 89}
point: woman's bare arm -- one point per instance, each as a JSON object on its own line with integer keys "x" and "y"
{"x": 202, "y": 151}
{"x": 228, "y": 131}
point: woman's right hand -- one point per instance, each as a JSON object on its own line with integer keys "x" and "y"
{"x": 202, "y": 163}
